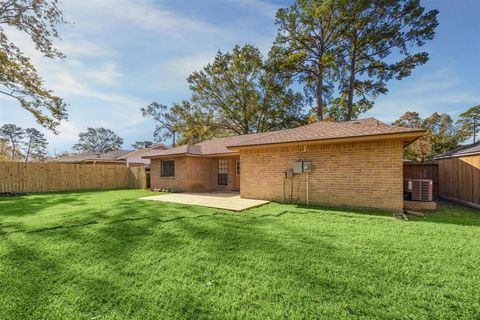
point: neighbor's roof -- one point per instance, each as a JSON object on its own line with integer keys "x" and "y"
{"x": 115, "y": 155}
{"x": 76, "y": 157}
{"x": 469, "y": 150}
{"x": 143, "y": 152}
{"x": 159, "y": 146}
{"x": 364, "y": 128}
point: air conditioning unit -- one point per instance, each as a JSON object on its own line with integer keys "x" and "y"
{"x": 421, "y": 189}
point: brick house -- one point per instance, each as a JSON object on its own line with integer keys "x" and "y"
{"x": 355, "y": 163}
{"x": 129, "y": 158}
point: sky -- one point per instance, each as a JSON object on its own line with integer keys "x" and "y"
{"x": 122, "y": 55}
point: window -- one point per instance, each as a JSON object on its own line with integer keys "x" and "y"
{"x": 223, "y": 172}
{"x": 168, "y": 168}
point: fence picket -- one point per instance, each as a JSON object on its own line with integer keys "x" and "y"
{"x": 51, "y": 176}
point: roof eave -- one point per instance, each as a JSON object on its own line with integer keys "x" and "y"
{"x": 221, "y": 154}
{"x": 407, "y": 143}
{"x": 65, "y": 161}
{"x": 412, "y": 135}
{"x": 170, "y": 155}
{"x": 102, "y": 160}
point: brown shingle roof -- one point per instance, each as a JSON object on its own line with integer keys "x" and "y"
{"x": 312, "y": 132}
{"x": 143, "y": 152}
{"x": 209, "y": 147}
{"x": 185, "y": 149}
{"x": 115, "y": 155}
{"x": 76, "y": 157}
{"x": 471, "y": 149}
{"x": 159, "y": 146}
{"x": 328, "y": 130}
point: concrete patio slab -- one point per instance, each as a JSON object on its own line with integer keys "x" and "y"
{"x": 220, "y": 200}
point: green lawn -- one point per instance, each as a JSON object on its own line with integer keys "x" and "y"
{"x": 107, "y": 255}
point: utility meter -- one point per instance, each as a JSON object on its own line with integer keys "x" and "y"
{"x": 298, "y": 167}
{"x": 307, "y": 166}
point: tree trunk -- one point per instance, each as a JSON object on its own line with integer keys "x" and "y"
{"x": 351, "y": 82}
{"x": 14, "y": 147}
{"x": 29, "y": 149}
{"x": 319, "y": 93}
{"x": 474, "y": 129}
{"x": 173, "y": 139}
{"x": 245, "y": 120}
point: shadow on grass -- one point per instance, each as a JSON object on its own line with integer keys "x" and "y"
{"x": 347, "y": 210}
{"x": 183, "y": 255}
{"x": 35, "y": 202}
{"x": 54, "y": 210}
{"x": 31, "y": 204}
{"x": 448, "y": 213}
{"x": 22, "y": 268}
{"x": 141, "y": 260}
{"x": 451, "y": 213}
{"x": 45, "y": 281}
{"x": 80, "y": 208}
{"x": 17, "y": 213}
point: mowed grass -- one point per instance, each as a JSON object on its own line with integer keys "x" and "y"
{"x": 108, "y": 255}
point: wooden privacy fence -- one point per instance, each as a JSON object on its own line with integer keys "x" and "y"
{"x": 422, "y": 171}
{"x": 460, "y": 179}
{"x": 51, "y": 176}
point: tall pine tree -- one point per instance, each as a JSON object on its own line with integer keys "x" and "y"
{"x": 35, "y": 145}
{"x": 378, "y": 46}
{"x": 13, "y": 136}
{"x": 470, "y": 122}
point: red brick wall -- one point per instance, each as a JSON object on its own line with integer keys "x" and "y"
{"x": 192, "y": 174}
{"x": 367, "y": 174}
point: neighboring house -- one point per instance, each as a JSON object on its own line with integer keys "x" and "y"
{"x": 354, "y": 163}
{"x": 115, "y": 157}
{"x": 459, "y": 174}
{"x": 135, "y": 158}
{"x": 130, "y": 158}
